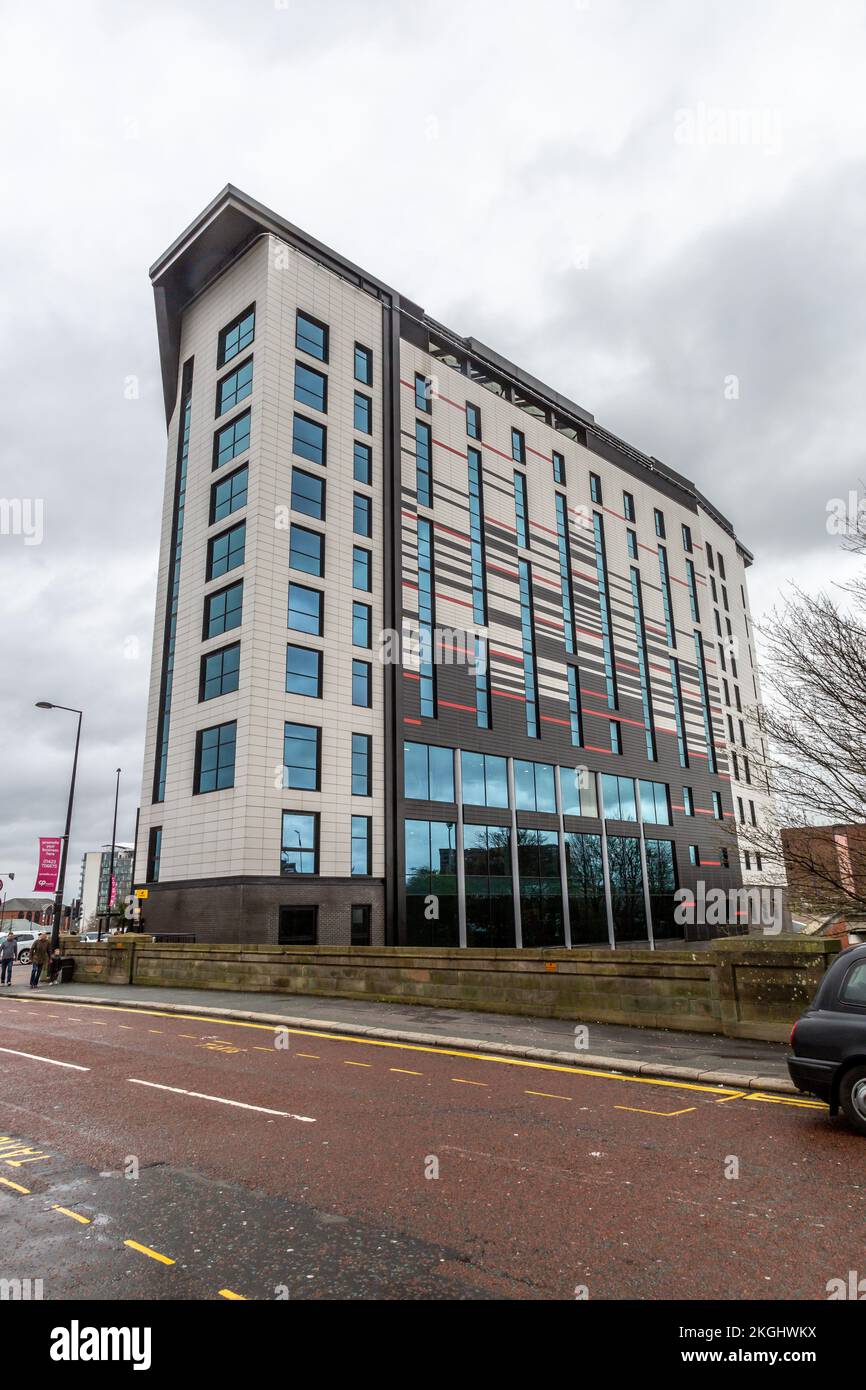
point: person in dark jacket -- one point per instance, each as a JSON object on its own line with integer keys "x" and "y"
{"x": 38, "y": 959}
{"x": 8, "y": 954}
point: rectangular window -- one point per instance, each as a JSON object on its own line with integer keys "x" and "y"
{"x": 485, "y": 780}
{"x": 362, "y": 684}
{"x": 219, "y": 672}
{"x": 710, "y": 560}
{"x": 643, "y": 666}
{"x": 628, "y": 507}
{"x": 558, "y": 469}
{"x": 428, "y": 772}
{"x": 534, "y": 787}
{"x": 688, "y": 801}
{"x": 658, "y": 518}
{"x": 423, "y": 394}
{"x": 693, "y": 591}
{"x": 521, "y": 510}
{"x": 476, "y": 536}
{"x": 306, "y": 550}
{"x": 527, "y": 641}
{"x": 226, "y": 551}
{"x": 724, "y": 857}
{"x": 577, "y": 786}
{"x": 223, "y": 610}
{"x": 311, "y": 387}
{"x": 694, "y": 855}
{"x": 705, "y": 702}
{"x": 301, "y": 757}
{"x": 305, "y": 609}
{"x": 759, "y": 863}
{"x": 362, "y": 514}
{"x": 426, "y": 620}
{"x": 717, "y": 806}
{"x": 721, "y": 560}
{"x": 362, "y": 765}
{"x": 564, "y": 553}
{"x": 606, "y": 613}
{"x": 667, "y": 601}
{"x": 308, "y": 494}
{"x": 233, "y": 439}
{"x": 361, "y": 933}
{"x": 540, "y": 888}
{"x": 362, "y": 575}
{"x": 303, "y": 672}
{"x": 423, "y": 464}
{"x": 654, "y": 803}
{"x": 473, "y": 421}
{"x": 236, "y": 336}
{"x": 431, "y": 867}
{"x": 687, "y": 539}
{"x": 489, "y": 885}
{"x": 215, "y": 758}
{"x": 311, "y": 337}
{"x": 154, "y": 853}
{"x": 235, "y": 387}
{"x": 631, "y": 544}
{"x": 518, "y": 446}
{"x": 298, "y": 926}
{"x": 228, "y": 494}
{"x": 362, "y": 463}
{"x": 362, "y": 616}
{"x": 595, "y": 489}
{"x": 309, "y": 440}
{"x": 575, "y": 710}
{"x": 615, "y": 737}
{"x": 617, "y": 794}
{"x": 363, "y": 413}
{"x": 363, "y": 365}
{"x": 361, "y": 846}
{"x": 299, "y": 853}
{"x": 483, "y": 708}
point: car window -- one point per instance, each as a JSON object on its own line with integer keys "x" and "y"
{"x": 853, "y": 990}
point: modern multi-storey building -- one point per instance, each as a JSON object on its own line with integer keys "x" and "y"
{"x": 566, "y": 736}
{"x": 94, "y": 889}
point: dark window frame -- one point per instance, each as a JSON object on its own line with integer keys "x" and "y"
{"x": 316, "y": 323}
{"x": 203, "y": 677}
{"x": 317, "y": 652}
{"x": 237, "y": 367}
{"x": 222, "y": 359}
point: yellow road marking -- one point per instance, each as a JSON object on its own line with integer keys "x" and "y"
{"x": 703, "y": 1087}
{"x": 155, "y": 1030}
{"x": 461, "y": 1081}
{"x": 403, "y": 1071}
{"x": 785, "y": 1100}
{"x": 313, "y": 1055}
{"x": 256, "y": 1048}
{"x": 662, "y": 1114}
{"x": 16, "y": 1186}
{"x": 227, "y": 1293}
{"x": 548, "y": 1095}
{"x": 357, "y": 1064}
{"x": 146, "y": 1250}
{"x": 64, "y": 1211}
{"x": 740, "y": 1095}
{"x": 127, "y": 1026}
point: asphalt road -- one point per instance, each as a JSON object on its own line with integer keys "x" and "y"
{"x": 183, "y": 1157}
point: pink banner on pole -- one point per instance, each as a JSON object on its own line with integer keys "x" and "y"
{"x": 113, "y": 895}
{"x": 49, "y": 865}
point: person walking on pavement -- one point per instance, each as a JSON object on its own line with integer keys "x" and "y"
{"x": 8, "y": 954}
{"x": 38, "y": 959}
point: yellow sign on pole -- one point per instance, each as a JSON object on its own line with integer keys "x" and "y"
{"x": 141, "y": 892}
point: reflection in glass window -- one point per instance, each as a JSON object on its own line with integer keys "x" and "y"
{"x": 485, "y": 779}
{"x": 428, "y": 772}
{"x": 431, "y": 870}
{"x": 300, "y": 843}
{"x": 489, "y": 887}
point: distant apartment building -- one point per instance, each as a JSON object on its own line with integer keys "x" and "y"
{"x": 94, "y": 888}
{"x": 438, "y": 659}
{"x": 825, "y": 867}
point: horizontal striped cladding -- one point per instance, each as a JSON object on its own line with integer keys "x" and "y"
{"x": 456, "y": 723}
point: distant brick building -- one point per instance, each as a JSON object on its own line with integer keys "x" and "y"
{"x": 820, "y": 861}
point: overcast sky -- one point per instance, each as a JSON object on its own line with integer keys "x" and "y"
{"x": 660, "y": 209}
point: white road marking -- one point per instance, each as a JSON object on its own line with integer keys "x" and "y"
{"x": 52, "y": 1061}
{"x": 221, "y": 1100}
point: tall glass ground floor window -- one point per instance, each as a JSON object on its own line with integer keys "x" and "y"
{"x": 489, "y": 891}
{"x": 541, "y": 913}
{"x": 661, "y": 870}
{"x": 431, "y": 883}
{"x": 626, "y": 888}
{"x": 586, "y": 903}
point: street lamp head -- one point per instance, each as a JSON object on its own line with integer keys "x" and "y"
{"x": 44, "y": 704}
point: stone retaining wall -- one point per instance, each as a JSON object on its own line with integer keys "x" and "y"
{"x": 744, "y": 987}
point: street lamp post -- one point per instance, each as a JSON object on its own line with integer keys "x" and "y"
{"x": 58, "y": 898}
{"x": 111, "y": 860}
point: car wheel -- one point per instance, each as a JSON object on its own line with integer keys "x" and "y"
{"x": 852, "y": 1098}
{"x": 23, "y": 957}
